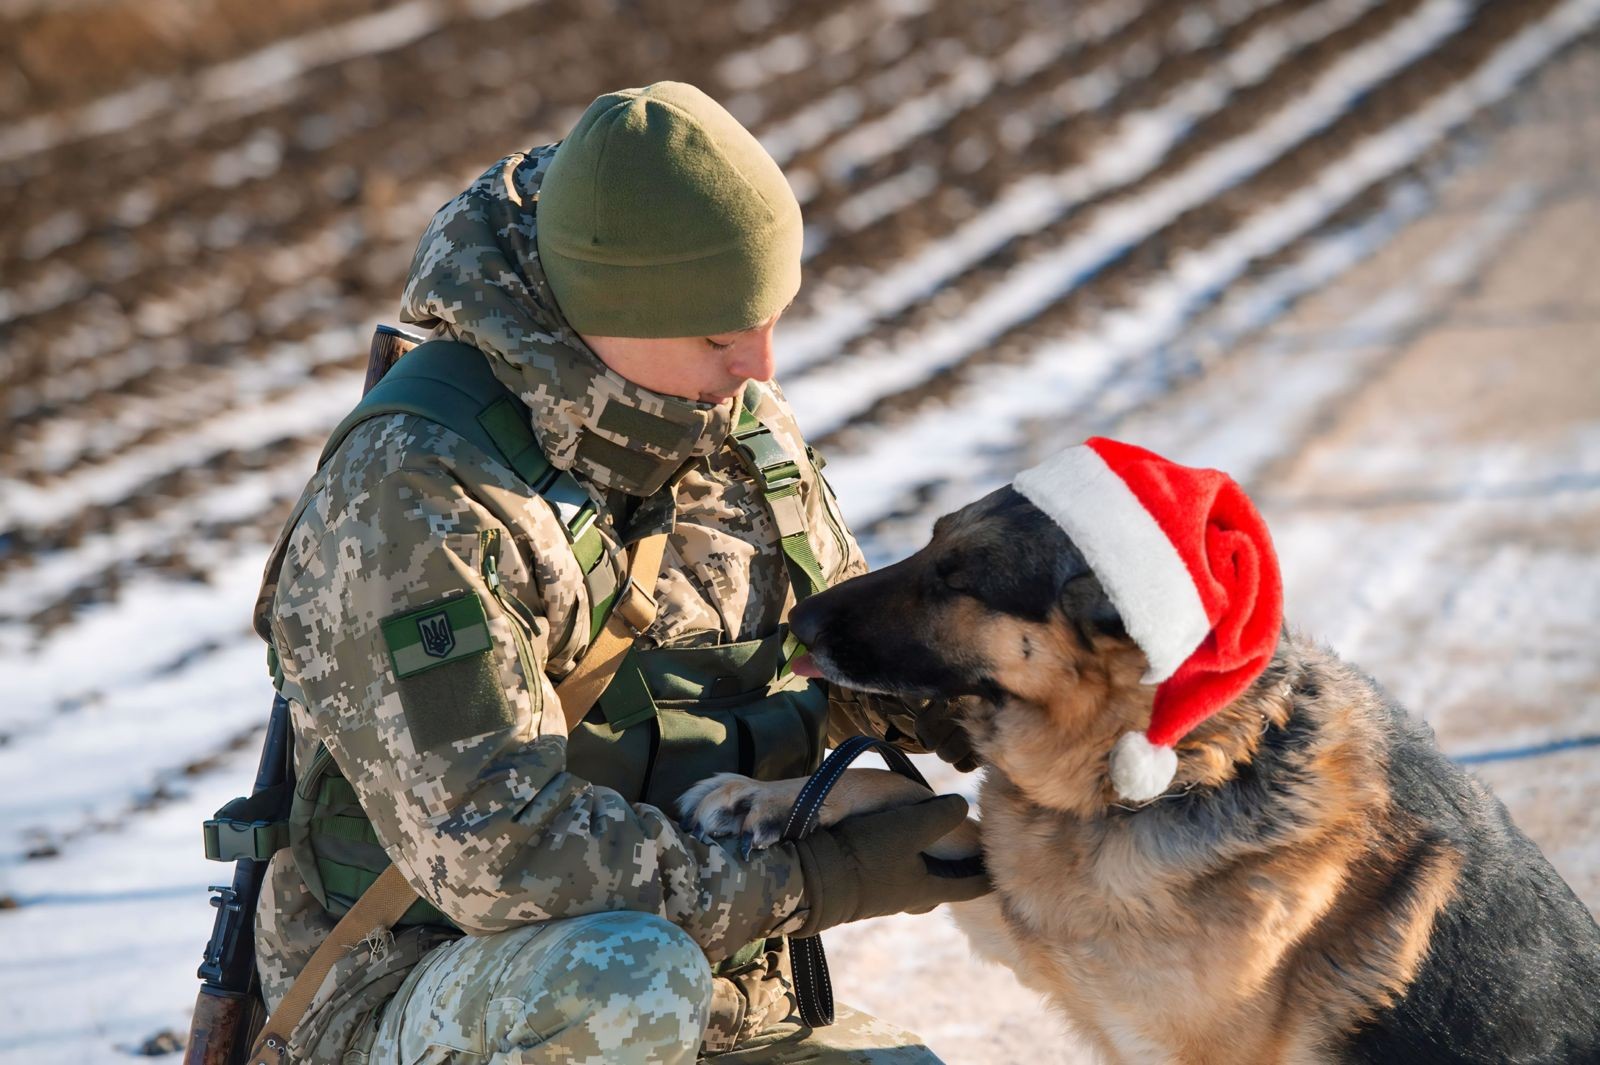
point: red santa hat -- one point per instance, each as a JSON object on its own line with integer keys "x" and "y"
{"x": 1187, "y": 561}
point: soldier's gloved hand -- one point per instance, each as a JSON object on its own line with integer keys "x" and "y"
{"x": 873, "y": 865}
{"x": 939, "y": 731}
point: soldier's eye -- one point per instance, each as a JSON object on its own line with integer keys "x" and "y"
{"x": 719, "y": 347}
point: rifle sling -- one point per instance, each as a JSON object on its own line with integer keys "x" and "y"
{"x": 634, "y": 612}
{"x": 390, "y": 896}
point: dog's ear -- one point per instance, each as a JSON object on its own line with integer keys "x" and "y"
{"x": 1081, "y": 598}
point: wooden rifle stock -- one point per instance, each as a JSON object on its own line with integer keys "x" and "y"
{"x": 229, "y": 1010}
{"x": 388, "y": 344}
{"x": 224, "y": 1027}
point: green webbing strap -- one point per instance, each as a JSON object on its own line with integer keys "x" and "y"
{"x": 249, "y": 827}
{"x": 627, "y": 700}
{"x": 452, "y": 384}
{"x": 506, "y": 422}
{"x": 779, "y": 477}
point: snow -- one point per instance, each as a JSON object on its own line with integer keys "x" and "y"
{"x": 102, "y": 952}
{"x": 277, "y": 416}
{"x": 246, "y": 84}
{"x": 932, "y": 446}
{"x": 114, "y": 654}
{"x": 789, "y": 52}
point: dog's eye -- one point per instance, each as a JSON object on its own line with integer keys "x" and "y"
{"x": 953, "y": 575}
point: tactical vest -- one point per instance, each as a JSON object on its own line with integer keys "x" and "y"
{"x": 670, "y": 718}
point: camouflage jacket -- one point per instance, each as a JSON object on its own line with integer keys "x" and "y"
{"x": 464, "y": 779}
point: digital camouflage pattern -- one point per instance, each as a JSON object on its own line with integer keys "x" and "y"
{"x": 618, "y": 988}
{"x": 614, "y": 988}
{"x": 461, "y": 767}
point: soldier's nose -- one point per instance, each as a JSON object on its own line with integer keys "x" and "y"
{"x": 754, "y": 359}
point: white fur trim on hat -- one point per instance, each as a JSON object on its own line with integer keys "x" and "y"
{"x": 1141, "y": 571}
{"x": 1139, "y": 769}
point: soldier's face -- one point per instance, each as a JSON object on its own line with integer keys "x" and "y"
{"x": 710, "y": 369}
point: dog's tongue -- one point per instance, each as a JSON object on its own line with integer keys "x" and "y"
{"x": 803, "y": 666}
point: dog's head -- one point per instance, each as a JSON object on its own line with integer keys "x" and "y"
{"x": 1001, "y": 605}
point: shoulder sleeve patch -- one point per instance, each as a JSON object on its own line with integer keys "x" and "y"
{"x": 437, "y": 634}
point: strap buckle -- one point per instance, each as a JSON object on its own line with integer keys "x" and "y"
{"x": 228, "y": 840}
{"x": 765, "y": 457}
{"x": 253, "y": 826}
{"x": 636, "y": 607}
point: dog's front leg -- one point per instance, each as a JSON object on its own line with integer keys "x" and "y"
{"x": 728, "y": 805}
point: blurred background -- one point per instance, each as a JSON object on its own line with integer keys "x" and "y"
{"x": 1347, "y": 250}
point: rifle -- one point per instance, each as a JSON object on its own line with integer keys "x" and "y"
{"x": 229, "y": 1011}
{"x": 388, "y": 344}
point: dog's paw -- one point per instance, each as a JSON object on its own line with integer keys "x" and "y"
{"x": 729, "y": 806}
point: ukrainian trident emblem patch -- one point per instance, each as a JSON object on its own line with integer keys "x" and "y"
{"x": 438, "y": 639}
{"x": 438, "y": 633}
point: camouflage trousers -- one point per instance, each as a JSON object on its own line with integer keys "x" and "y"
{"x": 608, "y": 988}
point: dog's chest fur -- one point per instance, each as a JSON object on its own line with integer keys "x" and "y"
{"x": 1127, "y": 919}
{"x": 1086, "y": 917}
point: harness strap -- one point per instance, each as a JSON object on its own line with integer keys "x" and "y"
{"x": 779, "y": 477}
{"x": 633, "y": 613}
{"x": 379, "y": 907}
{"x": 452, "y": 384}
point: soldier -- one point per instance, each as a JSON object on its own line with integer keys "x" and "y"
{"x": 623, "y": 287}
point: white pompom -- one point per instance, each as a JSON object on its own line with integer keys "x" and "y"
{"x": 1139, "y": 769}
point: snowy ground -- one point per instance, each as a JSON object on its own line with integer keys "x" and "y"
{"x": 1341, "y": 248}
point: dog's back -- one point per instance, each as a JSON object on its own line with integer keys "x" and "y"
{"x": 1512, "y": 968}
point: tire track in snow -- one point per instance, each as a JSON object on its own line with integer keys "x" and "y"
{"x": 1129, "y": 59}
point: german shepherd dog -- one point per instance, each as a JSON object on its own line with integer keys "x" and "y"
{"x": 1319, "y": 884}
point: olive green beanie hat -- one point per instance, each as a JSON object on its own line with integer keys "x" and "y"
{"x": 661, "y": 216}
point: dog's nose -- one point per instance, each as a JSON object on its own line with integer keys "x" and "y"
{"x": 805, "y": 621}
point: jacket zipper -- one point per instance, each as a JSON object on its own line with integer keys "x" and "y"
{"x": 513, "y": 608}
{"x": 825, "y": 490}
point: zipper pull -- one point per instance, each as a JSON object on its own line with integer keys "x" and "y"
{"x": 489, "y": 548}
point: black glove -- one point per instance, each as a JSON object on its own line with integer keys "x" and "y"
{"x": 940, "y": 732}
{"x": 873, "y": 865}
